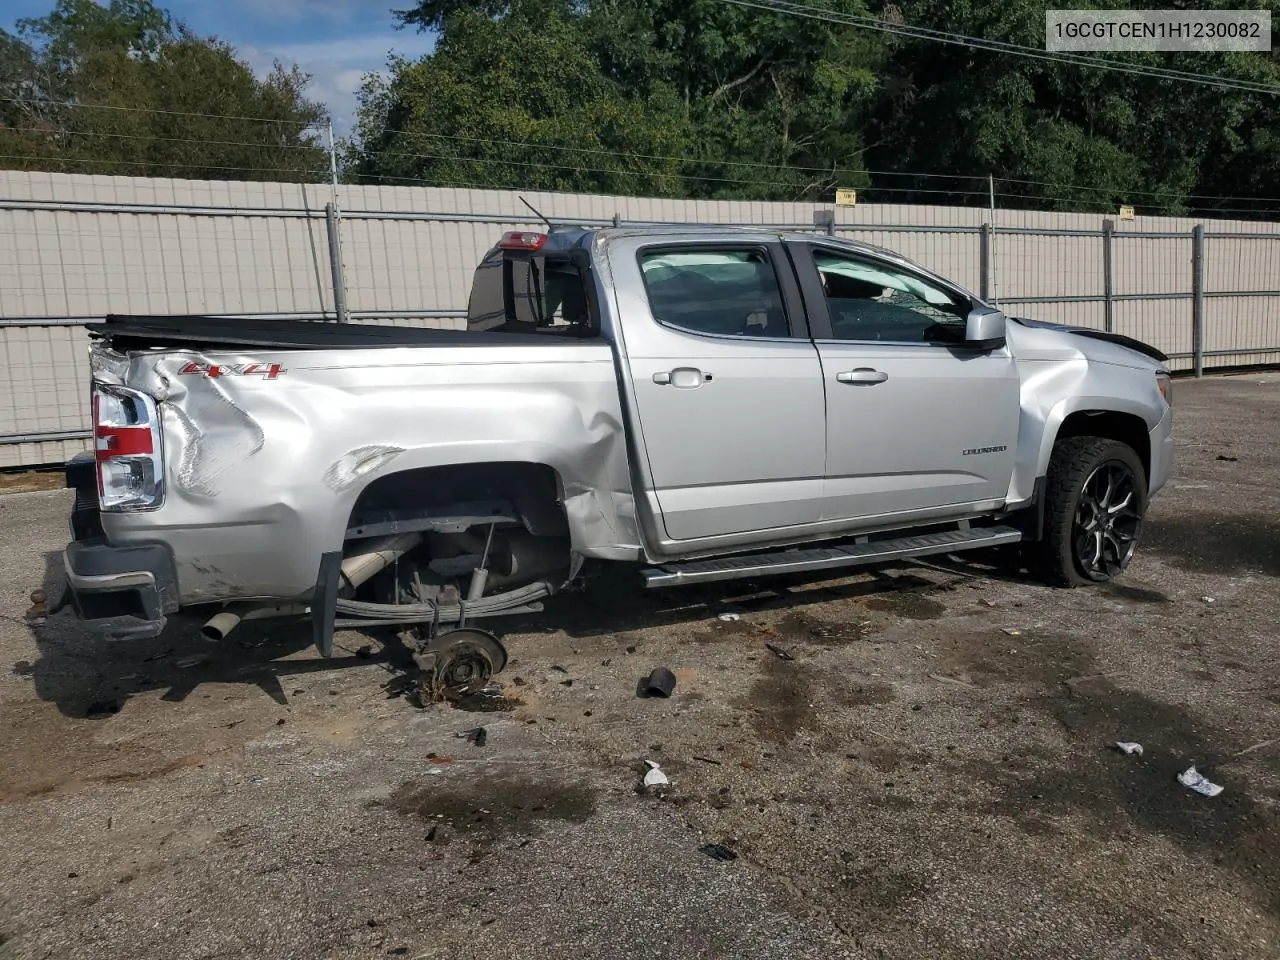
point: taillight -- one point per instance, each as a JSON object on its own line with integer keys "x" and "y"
{"x": 1164, "y": 383}
{"x": 522, "y": 240}
{"x": 126, "y": 440}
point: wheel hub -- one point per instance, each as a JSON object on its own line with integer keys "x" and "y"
{"x": 1107, "y": 521}
{"x": 459, "y": 663}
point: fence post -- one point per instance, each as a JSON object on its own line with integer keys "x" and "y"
{"x": 1108, "y": 278}
{"x": 984, "y": 261}
{"x": 1197, "y": 299}
{"x": 335, "y": 263}
{"x": 617, "y": 219}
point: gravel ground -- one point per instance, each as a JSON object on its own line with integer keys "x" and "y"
{"x": 932, "y": 775}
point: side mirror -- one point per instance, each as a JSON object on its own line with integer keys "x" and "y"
{"x": 984, "y": 329}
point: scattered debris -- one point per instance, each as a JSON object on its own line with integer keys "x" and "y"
{"x": 1258, "y": 746}
{"x": 779, "y": 652}
{"x": 984, "y": 602}
{"x": 365, "y": 652}
{"x": 38, "y": 612}
{"x": 158, "y": 656}
{"x": 1013, "y": 632}
{"x": 1128, "y": 747}
{"x": 1208, "y": 600}
{"x": 729, "y": 617}
{"x": 952, "y": 680}
{"x": 1193, "y": 779}
{"x": 708, "y": 760}
{"x": 655, "y": 777}
{"x": 437, "y": 758}
{"x": 188, "y": 662}
{"x": 1227, "y": 459}
{"x": 476, "y": 735}
{"x": 659, "y": 683}
{"x": 719, "y": 852}
{"x": 558, "y": 668}
{"x": 567, "y": 683}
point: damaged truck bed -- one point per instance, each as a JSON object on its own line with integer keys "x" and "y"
{"x": 700, "y": 404}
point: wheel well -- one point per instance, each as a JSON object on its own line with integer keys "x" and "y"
{"x": 532, "y": 489}
{"x": 1124, "y": 427}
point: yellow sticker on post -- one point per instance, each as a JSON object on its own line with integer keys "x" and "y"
{"x": 846, "y": 198}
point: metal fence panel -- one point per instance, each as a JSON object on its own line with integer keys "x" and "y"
{"x": 73, "y": 248}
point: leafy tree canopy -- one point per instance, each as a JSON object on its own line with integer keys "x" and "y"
{"x": 122, "y": 89}
{"x": 701, "y": 98}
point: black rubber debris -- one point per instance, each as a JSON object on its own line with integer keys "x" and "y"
{"x": 717, "y": 852}
{"x": 779, "y": 652}
{"x": 659, "y": 683}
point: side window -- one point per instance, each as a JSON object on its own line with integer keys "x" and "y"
{"x": 724, "y": 292}
{"x": 872, "y": 301}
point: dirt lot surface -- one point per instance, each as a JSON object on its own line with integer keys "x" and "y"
{"x": 932, "y": 776}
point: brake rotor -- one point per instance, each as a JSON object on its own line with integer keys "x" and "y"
{"x": 460, "y": 663}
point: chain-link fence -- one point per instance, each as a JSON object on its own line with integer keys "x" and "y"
{"x": 74, "y": 248}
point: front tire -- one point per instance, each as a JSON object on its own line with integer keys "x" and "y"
{"x": 1095, "y": 502}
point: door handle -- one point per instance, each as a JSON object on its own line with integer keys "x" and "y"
{"x": 863, "y": 375}
{"x": 682, "y": 378}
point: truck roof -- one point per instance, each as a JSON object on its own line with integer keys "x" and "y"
{"x": 565, "y": 238}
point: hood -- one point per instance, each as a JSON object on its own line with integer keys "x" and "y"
{"x": 1129, "y": 343}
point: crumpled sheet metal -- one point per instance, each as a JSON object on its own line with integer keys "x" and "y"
{"x": 357, "y": 463}
{"x": 211, "y": 434}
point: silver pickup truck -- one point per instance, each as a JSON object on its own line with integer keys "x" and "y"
{"x": 702, "y": 404}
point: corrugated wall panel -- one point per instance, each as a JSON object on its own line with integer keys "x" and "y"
{"x": 268, "y": 253}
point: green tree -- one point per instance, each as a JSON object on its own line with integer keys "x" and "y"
{"x": 514, "y": 102}
{"x": 746, "y": 105}
{"x": 1068, "y": 137}
{"x": 122, "y": 89}
{"x": 769, "y": 105}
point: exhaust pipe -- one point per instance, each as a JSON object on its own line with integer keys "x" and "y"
{"x": 379, "y": 555}
{"x": 220, "y": 624}
{"x": 356, "y": 570}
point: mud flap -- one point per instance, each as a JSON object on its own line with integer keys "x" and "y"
{"x": 1030, "y": 519}
{"x": 324, "y": 601}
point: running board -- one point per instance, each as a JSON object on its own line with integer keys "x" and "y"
{"x": 802, "y": 560}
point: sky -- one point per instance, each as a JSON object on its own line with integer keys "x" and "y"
{"x": 336, "y": 41}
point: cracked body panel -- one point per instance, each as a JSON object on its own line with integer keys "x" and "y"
{"x": 251, "y": 502}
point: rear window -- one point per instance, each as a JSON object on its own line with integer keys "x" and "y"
{"x": 516, "y": 292}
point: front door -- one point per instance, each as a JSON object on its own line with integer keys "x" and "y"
{"x": 918, "y": 425}
{"x": 728, "y": 387}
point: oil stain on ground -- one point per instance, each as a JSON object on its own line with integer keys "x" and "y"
{"x": 489, "y": 807}
{"x": 1040, "y": 659}
{"x": 780, "y": 702}
{"x": 803, "y": 628}
{"x": 873, "y": 894}
{"x": 912, "y": 606}
{"x": 1119, "y": 793}
{"x": 1217, "y": 543}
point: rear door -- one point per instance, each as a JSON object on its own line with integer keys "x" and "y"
{"x": 918, "y": 425}
{"x": 727, "y": 387}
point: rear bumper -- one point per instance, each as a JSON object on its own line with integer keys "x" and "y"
{"x": 119, "y": 592}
